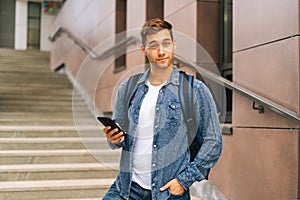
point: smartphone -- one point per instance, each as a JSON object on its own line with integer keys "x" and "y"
{"x": 106, "y": 121}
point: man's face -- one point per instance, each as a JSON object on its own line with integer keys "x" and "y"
{"x": 159, "y": 49}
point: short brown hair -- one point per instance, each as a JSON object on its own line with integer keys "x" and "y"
{"x": 153, "y": 26}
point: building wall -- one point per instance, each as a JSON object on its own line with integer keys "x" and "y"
{"x": 265, "y": 147}
{"x": 195, "y": 23}
{"x": 21, "y": 25}
{"x": 21, "y": 18}
{"x": 178, "y": 13}
{"x": 7, "y": 23}
{"x": 260, "y": 160}
{"x": 97, "y": 30}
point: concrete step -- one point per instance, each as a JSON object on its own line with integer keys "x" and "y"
{"x": 48, "y": 133}
{"x": 5, "y": 84}
{"x": 20, "y": 160}
{"x": 27, "y": 62}
{"x": 57, "y": 171}
{"x": 51, "y": 189}
{"x": 58, "y": 156}
{"x": 35, "y": 80}
{"x": 33, "y": 121}
{"x": 58, "y": 152}
{"x": 51, "y": 146}
{"x": 46, "y": 120}
{"x": 27, "y": 102}
{"x": 43, "y": 104}
{"x": 36, "y": 115}
{"x": 33, "y": 91}
{"x": 58, "y": 167}
{"x": 52, "y": 143}
{"x": 35, "y": 54}
{"x": 50, "y": 128}
{"x": 40, "y": 97}
{"x": 40, "y": 108}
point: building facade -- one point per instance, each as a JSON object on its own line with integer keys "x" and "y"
{"x": 253, "y": 43}
{"x": 25, "y": 24}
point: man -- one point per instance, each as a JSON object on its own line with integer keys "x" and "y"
{"x": 155, "y": 161}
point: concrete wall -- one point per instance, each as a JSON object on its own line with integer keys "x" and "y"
{"x": 264, "y": 148}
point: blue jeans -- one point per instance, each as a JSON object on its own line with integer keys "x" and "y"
{"x": 139, "y": 193}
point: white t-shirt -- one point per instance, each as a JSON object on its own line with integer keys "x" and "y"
{"x": 142, "y": 152}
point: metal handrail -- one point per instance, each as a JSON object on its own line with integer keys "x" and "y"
{"x": 111, "y": 51}
{"x": 246, "y": 93}
{"x": 205, "y": 73}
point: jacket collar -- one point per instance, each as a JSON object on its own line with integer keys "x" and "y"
{"x": 173, "y": 79}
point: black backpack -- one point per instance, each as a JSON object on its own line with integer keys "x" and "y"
{"x": 186, "y": 96}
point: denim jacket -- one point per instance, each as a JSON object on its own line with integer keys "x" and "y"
{"x": 170, "y": 153}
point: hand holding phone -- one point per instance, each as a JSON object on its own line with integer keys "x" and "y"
{"x": 106, "y": 121}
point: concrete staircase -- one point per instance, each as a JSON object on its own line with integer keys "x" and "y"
{"x": 43, "y": 153}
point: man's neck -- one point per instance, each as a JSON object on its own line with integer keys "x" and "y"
{"x": 159, "y": 76}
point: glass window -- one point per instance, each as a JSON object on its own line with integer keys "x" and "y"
{"x": 34, "y": 9}
{"x": 34, "y": 21}
{"x": 155, "y": 9}
{"x": 226, "y": 30}
{"x": 226, "y": 51}
{"x": 121, "y": 18}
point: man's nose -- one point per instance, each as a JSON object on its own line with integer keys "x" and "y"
{"x": 161, "y": 49}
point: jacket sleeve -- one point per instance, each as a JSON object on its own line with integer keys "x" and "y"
{"x": 119, "y": 112}
{"x": 211, "y": 148}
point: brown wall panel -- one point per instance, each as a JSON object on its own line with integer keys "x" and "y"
{"x": 154, "y": 9}
{"x": 265, "y": 147}
{"x": 136, "y": 16}
{"x": 184, "y": 23}
{"x": 264, "y": 164}
{"x": 273, "y": 72}
{"x": 208, "y": 27}
{"x": 256, "y": 22}
{"x": 221, "y": 175}
{"x": 173, "y": 6}
{"x": 245, "y": 116}
{"x": 183, "y": 18}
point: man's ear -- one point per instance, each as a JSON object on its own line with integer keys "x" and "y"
{"x": 174, "y": 44}
{"x": 143, "y": 49}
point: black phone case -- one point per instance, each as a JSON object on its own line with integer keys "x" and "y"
{"x": 106, "y": 121}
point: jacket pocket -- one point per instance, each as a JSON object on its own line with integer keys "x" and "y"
{"x": 174, "y": 111}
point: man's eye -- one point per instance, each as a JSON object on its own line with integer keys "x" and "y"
{"x": 166, "y": 44}
{"x": 153, "y": 46}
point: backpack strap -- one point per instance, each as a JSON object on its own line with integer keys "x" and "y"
{"x": 186, "y": 96}
{"x": 130, "y": 90}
